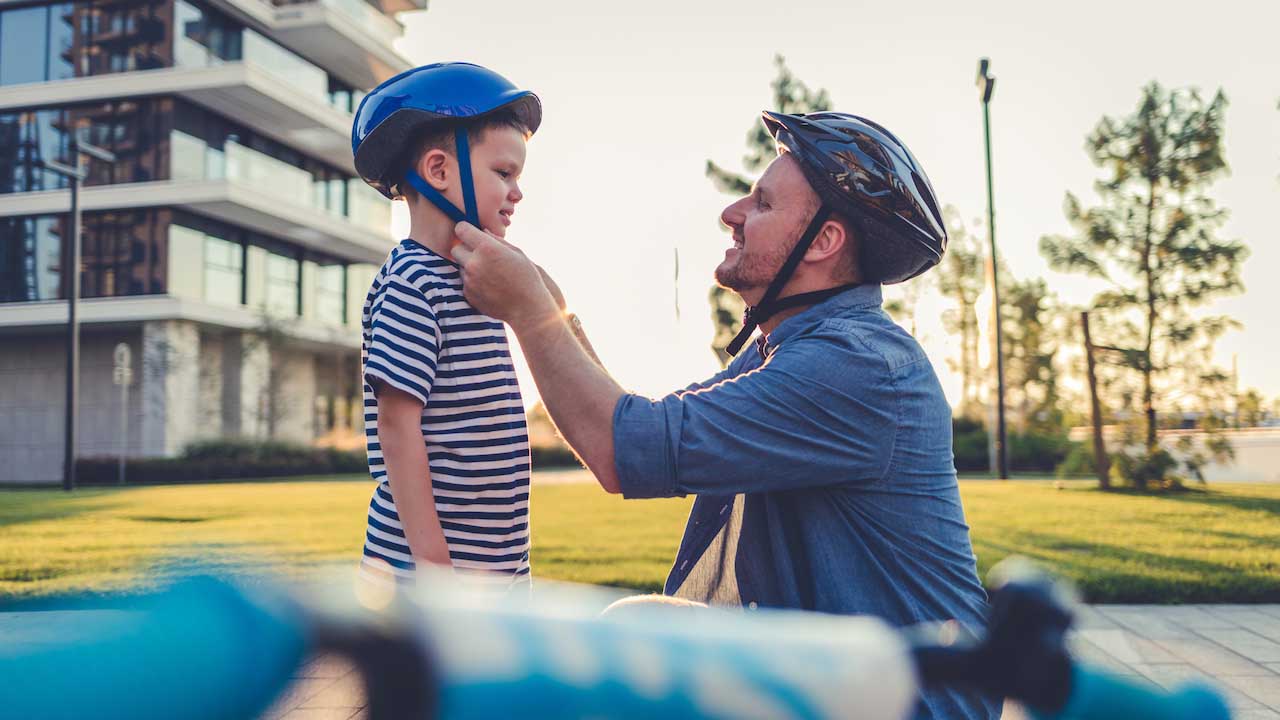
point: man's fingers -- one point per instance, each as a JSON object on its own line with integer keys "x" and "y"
{"x": 470, "y": 235}
{"x": 462, "y": 254}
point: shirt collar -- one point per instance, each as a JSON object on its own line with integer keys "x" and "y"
{"x": 857, "y": 298}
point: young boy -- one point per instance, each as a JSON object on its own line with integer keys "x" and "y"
{"x": 444, "y": 420}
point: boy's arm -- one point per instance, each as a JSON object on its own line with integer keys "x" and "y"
{"x": 404, "y": 452}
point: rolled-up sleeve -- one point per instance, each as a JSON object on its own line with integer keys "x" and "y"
{"x": 643, "y": 447}
{"x": 821, "y": 411}
{"x": 404, "y": 341}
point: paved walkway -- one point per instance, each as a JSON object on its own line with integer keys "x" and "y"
{"x": 1235, "y": 647}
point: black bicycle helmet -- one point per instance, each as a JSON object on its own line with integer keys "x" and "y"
{"x": 864, "y": 173}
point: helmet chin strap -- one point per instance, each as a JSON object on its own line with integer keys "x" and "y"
{"x": 424, "y": 189}
{"x": 771, "y": 304}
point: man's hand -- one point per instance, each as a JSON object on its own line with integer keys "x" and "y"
{"x": 501, "y": 282}
{"x": 554, "y": 289}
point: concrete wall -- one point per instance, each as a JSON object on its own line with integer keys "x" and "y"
{"x": 1257, "y": 454}
{"x": 191, "y": 383}
{"x": 33, "y": 395}
{"x": 1257, "y": 451}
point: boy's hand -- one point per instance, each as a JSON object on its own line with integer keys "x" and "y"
{"x": 501, "y": 282}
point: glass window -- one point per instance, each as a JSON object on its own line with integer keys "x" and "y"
{"x": 342, "y": 96}
{"x": 30, "y": 258}
{"x": 223, "y": 271}
{"x": 26, "y": 138}
{"x": 359, "y": 279}
{"x": 203, "y": 37}
{"x": 24, "y": 36}
{"x": 331, "y": 294}
{"x": 189, "y": 154}
{"x": 291, "y": 68}
{"x": 91, "y": 37}
{"x": 124, "y": 253}
{"x": 61, "y": 40}
{"x": 135, "y": 130}
{"x": 282, "y": 287}
{"x": 186, "y": 262}
{"x": 367, "y": 206}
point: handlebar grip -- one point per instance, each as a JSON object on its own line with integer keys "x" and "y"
{"x": 202, "y": 649}
{"x": 1099, "y": 695}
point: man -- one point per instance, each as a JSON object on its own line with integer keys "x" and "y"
{"x": 821, "y": 457}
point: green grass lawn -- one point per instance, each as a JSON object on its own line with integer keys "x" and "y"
{"x": 1221, "y": 545}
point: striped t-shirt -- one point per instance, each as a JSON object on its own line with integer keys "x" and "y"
{"x": 421, "y": 336}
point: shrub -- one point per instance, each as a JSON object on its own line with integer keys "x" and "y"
{"x": 225, "y": 460}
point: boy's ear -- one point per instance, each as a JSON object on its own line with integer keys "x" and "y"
{"x": 434, "y": 167}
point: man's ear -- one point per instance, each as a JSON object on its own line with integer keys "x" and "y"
{"x": 436, "y": 168}
{"x": 831, "y": 240}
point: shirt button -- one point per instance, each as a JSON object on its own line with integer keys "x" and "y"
{"x": 751, "y": 605}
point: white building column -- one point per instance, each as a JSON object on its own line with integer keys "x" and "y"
{"x": 170, "y": 380}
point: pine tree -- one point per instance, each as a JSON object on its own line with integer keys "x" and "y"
{"x": 1155, "y": 235}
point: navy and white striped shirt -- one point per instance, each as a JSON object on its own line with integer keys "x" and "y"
{"x": 421, "y": 336}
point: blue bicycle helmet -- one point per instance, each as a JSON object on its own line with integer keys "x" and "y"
{"x": 393, "y": 113}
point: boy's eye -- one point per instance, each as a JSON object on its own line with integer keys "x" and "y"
{"x": 504, "y": 174}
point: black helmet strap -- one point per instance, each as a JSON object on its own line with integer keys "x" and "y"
{"x": 771, "y": 304}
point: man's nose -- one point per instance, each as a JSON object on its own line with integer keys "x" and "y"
{"x": 733, "y": 215}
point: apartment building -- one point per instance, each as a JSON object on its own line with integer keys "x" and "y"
{"x": 230, "y": 244}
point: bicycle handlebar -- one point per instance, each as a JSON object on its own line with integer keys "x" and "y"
{"x": 203, "y": 649}
{"x": 1100, "y": 695}
{"x": 209, "y": 650}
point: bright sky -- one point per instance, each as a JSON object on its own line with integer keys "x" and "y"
{"x": 638, "y": 96}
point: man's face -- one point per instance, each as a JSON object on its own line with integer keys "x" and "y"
{"x": 766, "y": 225}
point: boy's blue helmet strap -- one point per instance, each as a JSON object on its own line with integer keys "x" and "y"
{"x": 471, "y": 214}
{"x": 464, "y": 174}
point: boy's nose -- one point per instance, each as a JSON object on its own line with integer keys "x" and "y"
{"x": 516, "y": 194}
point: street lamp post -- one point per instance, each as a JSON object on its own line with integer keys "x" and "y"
{"x": 76, "y": 174}
{"x": 986, "y": 86}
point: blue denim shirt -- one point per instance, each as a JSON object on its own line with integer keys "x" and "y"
{"x": 823, "y": 467}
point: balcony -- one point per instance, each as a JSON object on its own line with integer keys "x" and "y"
{"x": 349, "y": 37}
{"x": 132, "y": 309}
{"x": 289, "y": 109}
{"x": 244, "y": 198}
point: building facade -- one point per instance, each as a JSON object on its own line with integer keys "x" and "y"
{"x": 230, "y": 244}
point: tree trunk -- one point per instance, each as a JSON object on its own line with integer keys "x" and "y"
{"x": 966, "y": 370}
{"x": 1148, "y": 272}
{"x": 1101, "y": 463}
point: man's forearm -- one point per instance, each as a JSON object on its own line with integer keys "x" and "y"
{"x": 409, "y": 471}
{"x": 579, "y": 395}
